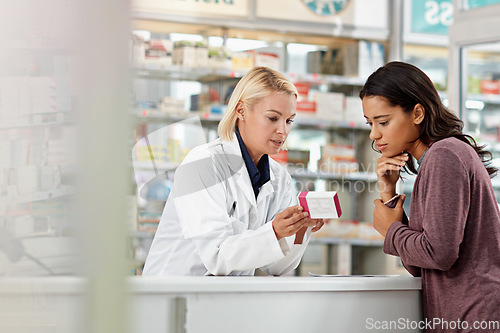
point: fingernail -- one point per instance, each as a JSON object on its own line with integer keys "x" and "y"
{"x": 305, "y": 213}
{"x": 300, "y": 208}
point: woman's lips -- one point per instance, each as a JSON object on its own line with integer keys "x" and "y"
{"x": 381, "y": 147}
{"x": 277, "y": 142}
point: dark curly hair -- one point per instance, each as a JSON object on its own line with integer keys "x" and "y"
{"x": 405, "y": 85}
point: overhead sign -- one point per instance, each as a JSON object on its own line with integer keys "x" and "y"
{"x": 356, "y": 13}
{"x": 431, "y": 16}
{"x": 470, "y": 4}
{"x": 326, "y": 7}
{"x": 200, "y": 8}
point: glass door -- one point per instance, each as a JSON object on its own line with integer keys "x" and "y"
{"x": 474, "y": 80}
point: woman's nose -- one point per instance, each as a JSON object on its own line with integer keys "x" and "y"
{"x": 374, "y": 134}
{"x": 281, "y": 128}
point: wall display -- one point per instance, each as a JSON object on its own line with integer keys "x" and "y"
{"x": 195, "y": 8}
{"x": 350, "y": 13}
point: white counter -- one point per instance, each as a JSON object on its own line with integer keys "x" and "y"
{"x": 223, "y": 304}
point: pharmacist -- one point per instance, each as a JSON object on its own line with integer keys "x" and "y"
{"x": 230, "y": 210}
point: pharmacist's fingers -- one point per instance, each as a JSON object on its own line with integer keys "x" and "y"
{"x": 319, "y": 224}
{"x": 285, "y": 226}
{"x": 288, "y": 212}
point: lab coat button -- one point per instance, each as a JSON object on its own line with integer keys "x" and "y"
{"x": 252, "y": 218}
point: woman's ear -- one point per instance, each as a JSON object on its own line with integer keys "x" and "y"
{"x": 418, "y": 114}
{"x": 240, "y": 110}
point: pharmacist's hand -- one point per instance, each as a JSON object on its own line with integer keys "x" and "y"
{"x": 290, "y": 221}
{"x": 384, "y": 216}
{"x": 388, "y": 169}
{"x": 318, "y": 224}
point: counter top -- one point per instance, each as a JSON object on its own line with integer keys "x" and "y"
{"x": 217, "y": 284}
{"x": 265, "y": 284}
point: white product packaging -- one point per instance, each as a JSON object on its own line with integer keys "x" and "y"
{"x": 354, "y": 109}
{"x": 320, "y": 205}
{"x": 329, "y": 105}
{"x": 27, "y": 179}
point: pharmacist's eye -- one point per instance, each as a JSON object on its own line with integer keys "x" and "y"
{"x": 289, "y": 121}
{"x": 273, "y": 118}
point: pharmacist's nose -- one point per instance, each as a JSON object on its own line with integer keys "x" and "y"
{"x": 281, "y": 128}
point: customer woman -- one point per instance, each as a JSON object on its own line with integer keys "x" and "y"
{"x": 230, "y": 210}
{"x": 452, "y": 239}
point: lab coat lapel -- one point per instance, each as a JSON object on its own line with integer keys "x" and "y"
{"x": 267, "y": 188}
{"x": 237, "y": 166}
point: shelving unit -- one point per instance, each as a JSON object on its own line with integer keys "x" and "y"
{"x": 315, "y": 130}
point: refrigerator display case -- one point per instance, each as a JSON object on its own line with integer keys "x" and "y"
{"x": 474, "y": 80}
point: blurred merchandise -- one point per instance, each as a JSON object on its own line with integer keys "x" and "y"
{"x": 243, "y": 61}
{"x": 349, "y": 229}
{"x": 353, "y": 111}
{"x": 490, "y": 87}
{"x": 219, "y": 57}
{"x": 329, "y": 105}
{"x": 158, "y": 51}
{"x": 338, "y": 158}
{"x": 267, "y": 60}
{"x": 171, "y": 105}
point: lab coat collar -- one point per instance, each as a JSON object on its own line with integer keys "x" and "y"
{"x": 237, "y": 165}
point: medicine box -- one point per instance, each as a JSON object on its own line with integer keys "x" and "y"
{"x": 320, "y": 205}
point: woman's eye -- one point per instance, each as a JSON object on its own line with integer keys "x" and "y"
{"x": 383, "y": 123}
{"x": 368, "y": 123}
{"x": 289, "y": 121}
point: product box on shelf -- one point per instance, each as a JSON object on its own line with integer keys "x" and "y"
{"x": 329, "y": 105}
{"x": 354, "y": 110}
{"x": 220, "y": 58}
{"x": 306, "y": 107}
{"x": 265, "y": 59}
{"x": 362, "y": 58}
{"x": 172, "y": 105}
{"x": 156, "y": 51}
{"x": 243, "y": 61}
{"x": 338, "y": 158}
{"x": 190, "y": 54}
{"x": 315, "y": 61}
{"x": 490, "y": 87}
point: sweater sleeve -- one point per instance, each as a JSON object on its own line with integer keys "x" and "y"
{"x": 445, "y": 189}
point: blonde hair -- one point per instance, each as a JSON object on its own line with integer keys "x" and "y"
{"x": 259, "y": 82}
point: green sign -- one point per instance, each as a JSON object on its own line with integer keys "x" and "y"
{"x": 431, "y": 16}
{"x": 470, "y": 4}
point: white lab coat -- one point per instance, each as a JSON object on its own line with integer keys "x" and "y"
{"x": 200, "y": 233}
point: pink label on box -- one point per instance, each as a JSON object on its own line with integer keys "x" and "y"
{"x": 303, "y": 201}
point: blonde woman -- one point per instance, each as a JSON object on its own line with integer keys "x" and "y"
{"x": 231, "y": 208}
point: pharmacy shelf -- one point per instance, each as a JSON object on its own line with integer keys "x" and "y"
{"x": 353, "y": 176}
{"x": 157, "y": 115}
{"x": 491, "y": 99}
{"x": 63, "y": 190}
{"x": 177, "y": 72}
{"x": 37, "y": 120}
{"x": 316, "y": 78}
{"x": 163, "y": 166}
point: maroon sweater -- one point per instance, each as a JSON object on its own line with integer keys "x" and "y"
{"x": 453, "y": 238}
